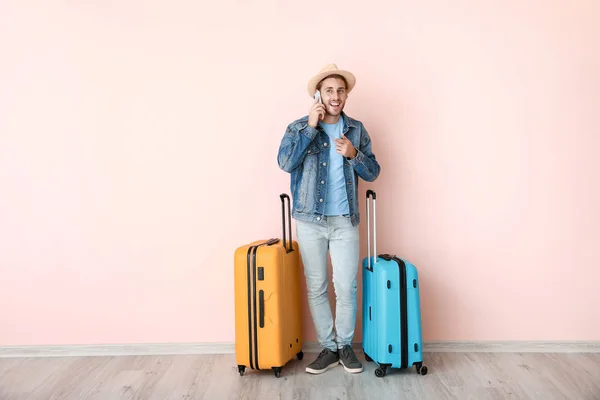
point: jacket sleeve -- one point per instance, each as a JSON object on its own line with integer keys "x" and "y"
{"x": 294, "y": 144}
{"x": 365, "y": 163}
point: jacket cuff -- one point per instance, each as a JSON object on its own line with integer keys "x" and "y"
{"x": 358, "y": 159}
{"x": 309, "y": 131}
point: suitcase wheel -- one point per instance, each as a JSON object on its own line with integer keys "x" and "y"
{"x": 381, "y": 371}
{"x": 369, "y": 359}
{"x": 300, "y": 355}
{"x": 277, "y": 371}
{"x": 421, "y": 369}
{"x": 241, "y": 369}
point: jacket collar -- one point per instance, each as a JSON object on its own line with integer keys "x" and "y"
{"x": 349, "y": 122}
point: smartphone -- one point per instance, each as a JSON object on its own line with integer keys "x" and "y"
{"x": 318, "y": 96}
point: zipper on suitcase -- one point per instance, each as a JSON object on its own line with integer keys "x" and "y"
{"x": 403, "y": 308}
{"x": 250, "y": 274}
{"x": 403, "y": 311}
{"x": 254, "y": 324}
{"x": 252, "y": 306}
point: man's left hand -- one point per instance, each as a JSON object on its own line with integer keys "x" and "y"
{"x": 344, "y": 147}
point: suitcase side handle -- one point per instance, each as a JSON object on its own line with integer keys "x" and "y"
{"x": 371, "y": 193}
{"x": 283, "y": 197}
{"x": 261, "y": 309}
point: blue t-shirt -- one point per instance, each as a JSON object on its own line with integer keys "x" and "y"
{"x": 336, "y": 200}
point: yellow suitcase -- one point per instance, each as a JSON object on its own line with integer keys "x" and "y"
{"x": 268, "y": 308}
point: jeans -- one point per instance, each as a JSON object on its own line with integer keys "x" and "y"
{"x": 341, "y": 238}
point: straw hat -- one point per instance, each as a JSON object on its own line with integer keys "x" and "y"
{"x": 330, "y": 69}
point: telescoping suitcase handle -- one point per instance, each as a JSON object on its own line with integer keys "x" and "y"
{"x": 371, "y": 193}
{"x": 283, "y": 197}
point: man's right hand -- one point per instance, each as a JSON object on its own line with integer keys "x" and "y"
{"x": 316, "y": 113}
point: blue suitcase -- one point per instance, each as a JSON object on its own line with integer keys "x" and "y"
{"x": 391, "y": 308}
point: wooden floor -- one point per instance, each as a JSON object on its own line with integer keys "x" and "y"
{"x": 451, "y": 376}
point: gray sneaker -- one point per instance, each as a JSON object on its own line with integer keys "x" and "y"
{"x": 325, "y": 360}
{"x": 349, "y": 360}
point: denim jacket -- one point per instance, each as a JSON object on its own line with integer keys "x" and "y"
{"x": 304, "y": 153}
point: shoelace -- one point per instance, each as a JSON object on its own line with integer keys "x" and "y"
{"x": 350, "y": 354}
{"x": 322, "y": 355}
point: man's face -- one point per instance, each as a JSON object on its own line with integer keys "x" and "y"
{"x": 333, "y": 94}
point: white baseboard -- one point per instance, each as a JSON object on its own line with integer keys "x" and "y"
{"x": 310, "y": 347}
{"x": 117, "y": 349}
{"x": 512, "y": 346}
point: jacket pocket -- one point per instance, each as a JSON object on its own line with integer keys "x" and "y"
{"x": 313, "y": 150}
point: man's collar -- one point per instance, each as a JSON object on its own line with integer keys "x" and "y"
{"x": 349, "y": 122}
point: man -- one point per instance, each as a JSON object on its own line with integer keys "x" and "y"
{"x": 325, "y": 153}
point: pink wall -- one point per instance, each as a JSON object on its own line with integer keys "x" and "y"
{"x": 138, "y": 150}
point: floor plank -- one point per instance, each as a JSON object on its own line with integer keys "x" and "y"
{"x": 481, "y": 376}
